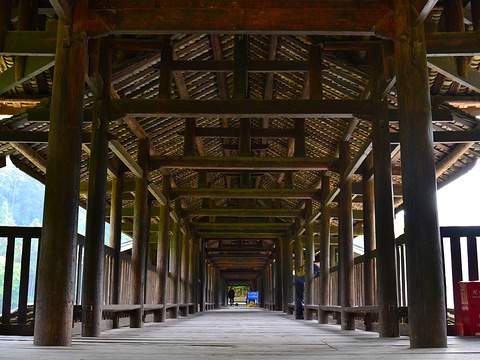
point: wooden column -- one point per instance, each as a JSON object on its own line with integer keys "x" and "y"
{"x": 324, "y": 249}
{"x": 115, "y": 240}
{"x": 191, "y": 275}
{"x": 203, "y": 277}
{"x": 175, "y": 253}
{"x": 345, "y": 239}
{"x": 309, "y": 259}
{"x": 368, "y": 237}
{"x": 57, "y": 253}
{"x": 425, "y": 277}
{"x": 185, "y": 271}
{"x": 140, "y": 234}
{"x": 279, "y": 263}
{"x": 163, "y": 250}
{"x": 287, "y": 272}
{"x": 384, "y": 210}
{"x": 261, "y": 290}
{"x": 92, "y": 288}
{"x": 298, "y": 246}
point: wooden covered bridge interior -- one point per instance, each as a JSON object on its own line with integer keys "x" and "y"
{"x": 234, "y": 141}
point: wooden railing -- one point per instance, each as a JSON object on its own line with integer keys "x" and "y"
{"x": 20, "y": 273}
{"x": 457, "y": 240}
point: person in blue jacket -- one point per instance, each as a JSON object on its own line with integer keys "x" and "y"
{"x": 300, "y": 289}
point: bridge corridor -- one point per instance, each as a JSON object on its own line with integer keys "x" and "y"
{"x": 236, "y": 333}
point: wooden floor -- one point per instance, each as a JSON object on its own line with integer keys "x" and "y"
{"x": 237, "y": 333}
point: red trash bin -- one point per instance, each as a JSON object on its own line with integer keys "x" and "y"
{"x": 470, "y": 299}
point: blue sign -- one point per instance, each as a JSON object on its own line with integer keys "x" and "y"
{"x": 252, "y": 295}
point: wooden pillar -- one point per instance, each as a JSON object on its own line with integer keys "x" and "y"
{"x": 298, "y": 246}
{"x": 425, "y": 277}
{"x": 261, "y": 290}
{"x": 309, "y": 259}
{"x": 57, "y": 254}
{"x": 279, "y": 259}
{"x": 324, "y": 250}
{"x": 287, "y": 272}
{"x": 115, "y": 240}
{"x": 175, "y": 249}
{"x": 92, "y": 288}
{"x": 185, "y": 271}
{"x": 163, "y": 250}
{"x": 384, "y": 210}
{"x": 191, "y": 276}
{"x": 140, "y": 233}
{"x": 368, "y": 238}
{"x": 203, "y": 277}
{"x": 345, "y": 239}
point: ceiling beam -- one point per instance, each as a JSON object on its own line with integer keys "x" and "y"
{"x": 245, "y": 193}
{"x": 241, "y": 17}
{"x": 240, "y": 108}
{"x": 242, "y": 163}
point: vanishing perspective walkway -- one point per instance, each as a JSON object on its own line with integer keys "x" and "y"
{"x": 237, "y": 333}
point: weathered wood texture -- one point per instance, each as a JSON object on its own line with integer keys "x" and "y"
{"x": 56, "y": 276}
{"x": 324, "y": 249}
{"x": 141, "y": 225}
{"x": 426, "y": 293}
{"x": 368, "y": 238}
{"x": 163, "y": 250}
{"x": 115, "y": 240}
{"x": 92, "y": 299}
{"x": 309, "y": 259}
{"x": 345, "y": 239}
{"x": 384, "y": 210}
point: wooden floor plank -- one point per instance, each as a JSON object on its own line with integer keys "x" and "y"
{"x": 237, "y": 333}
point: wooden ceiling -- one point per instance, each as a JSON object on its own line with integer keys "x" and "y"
{"x": 281, "y": 35}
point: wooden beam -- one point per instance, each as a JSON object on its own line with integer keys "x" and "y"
{"x": 453, "y": 43}
{"x": 34, "y": 137}
{"x": 29, "y": 43}
{"x": 423, "y": 8}
{"x": 242, "y": 108}
{"x": 42, "y": 43}
{"x": 33, "y": 67}
{"x": 242, "y": 163}
{"x": 242, "y": 17}
{"x": 235, "y": 133}
{"x": 358, "y": 159}
{"x": 247, "y": 193}
{"x": 126, "y": 158}
{"x": 449, "y": 137}
{"x": 239, "y": 235}
{"x": 242, "y": 212}
{"x": 241, "y": 226}
{"x": 64, "y": 10}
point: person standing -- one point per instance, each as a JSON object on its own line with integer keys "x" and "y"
{"x": 300, "y": 289}
{"x": 231, "y": 295}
